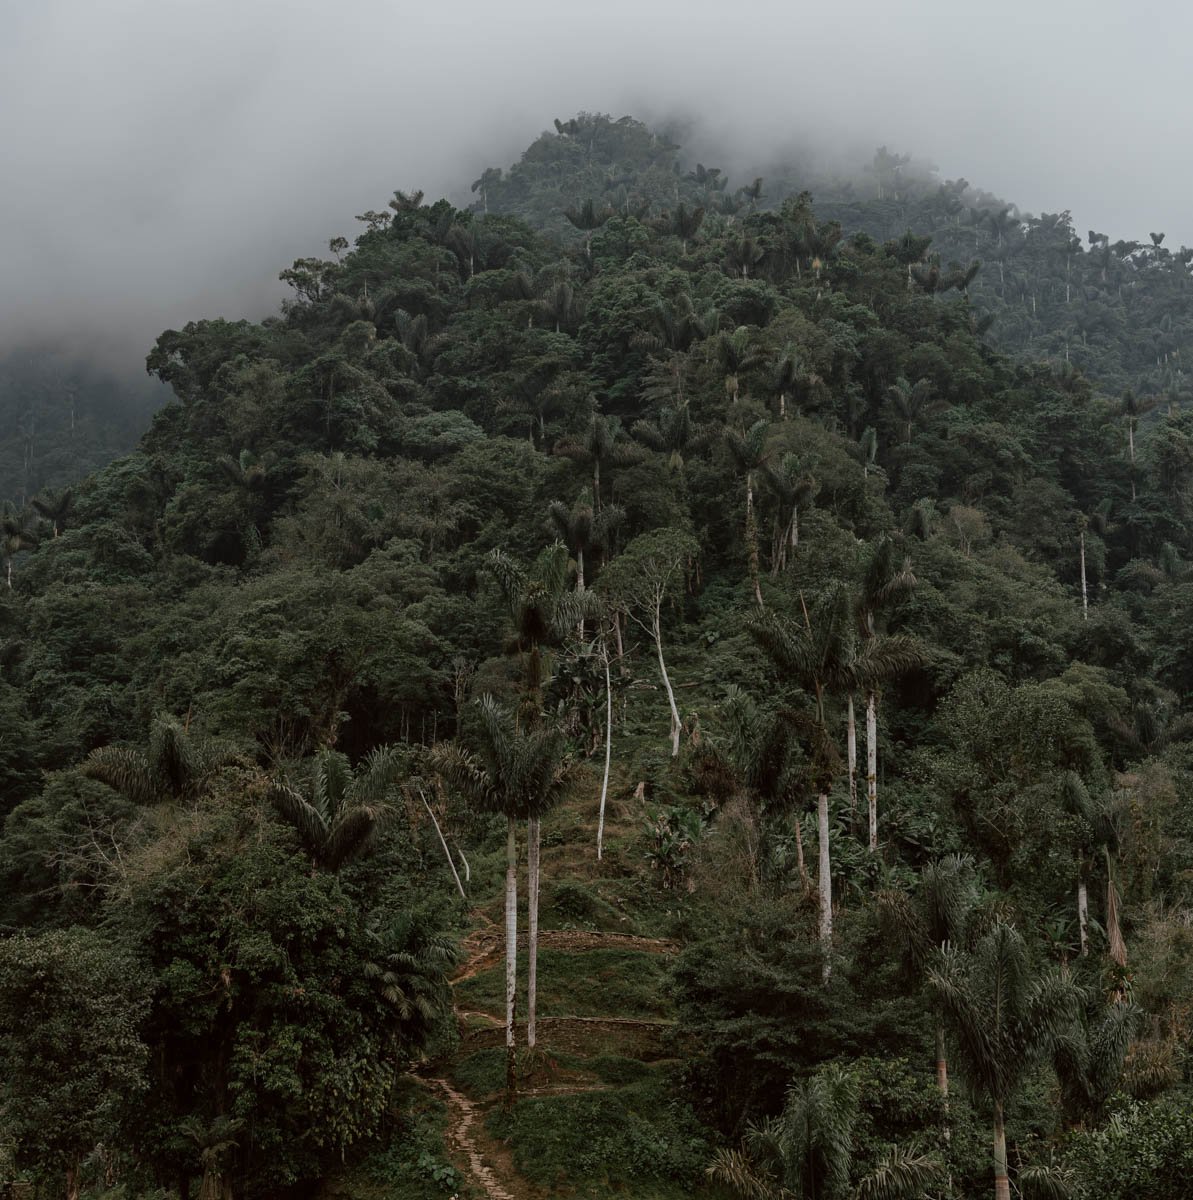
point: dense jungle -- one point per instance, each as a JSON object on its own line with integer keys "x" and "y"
{"x": 641, "y": 684}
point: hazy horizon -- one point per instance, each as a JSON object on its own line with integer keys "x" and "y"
{"x": 167, "y": 161}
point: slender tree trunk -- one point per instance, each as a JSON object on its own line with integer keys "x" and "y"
{"x": 596, "y": 485}
{"x": 533, "y": 833}
{"x": 443, "y": 843}
{"x": 676, "y": 725}
{"x": 1002, "y": 1184}
{"x": 799, "y": 855}
{"x": 72, "y": 1180}
{"x": 826, "y": 885}
{"x": 1083, "y": 909}
{"x": 942, "y": 1077}
{"x": 1084, "y": 589}
{"x": 580, "y": 587}
{"x": 608, "y": 749}
{"x": 511, "y": 953}
{"x": 851, "y": 751}
{"x": 752, "y": 538}
{"x": 872, "y": 766}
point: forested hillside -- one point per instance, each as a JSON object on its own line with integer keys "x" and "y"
{"x": 62, "y": 418}
{"x": 614, "y": 692}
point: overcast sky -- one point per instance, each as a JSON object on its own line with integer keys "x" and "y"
{"x": 162, "y": 160}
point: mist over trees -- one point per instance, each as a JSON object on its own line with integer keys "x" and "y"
{"x": 796, "y": 586}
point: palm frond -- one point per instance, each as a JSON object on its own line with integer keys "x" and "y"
{"x": 901, "y": 1174}
{"x": 734, "y": 1170}
{"x": 125, "y": 771}
{"x": 351, "y": 836}
{"x": 298, "y": 812}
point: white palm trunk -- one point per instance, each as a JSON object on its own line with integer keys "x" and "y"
{"x": 826, "y": 885}
{"x": 1083, "y": 910}
{"x": 1002, "y": 1183}
{"x": 608, "y": 750}
{"x": 1084, "y": 589}
{"x": 532, "y": 920}
{"x": 443, "y": 842}
{"x": 676, "y": 725}
{"x": 511, "y": 949}
{"x": 851, "y": 752}
{"x": 872, "y": 767}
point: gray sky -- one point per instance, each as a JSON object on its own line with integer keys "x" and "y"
{"x": 162, "y": 160}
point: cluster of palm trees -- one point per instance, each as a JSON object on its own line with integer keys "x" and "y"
{"x": 831, "y": 652}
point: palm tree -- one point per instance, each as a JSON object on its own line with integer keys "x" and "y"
{"x": 15, "y": 536}
{"x": 543, "y": 613}
{"x": 939, "y": 914}
{"x": 598, "y": 444}
{"x": 1003, "y": 1016}
{"x": 409, "y": 969}
{"x": 823, "y": 655}
{"x": 584, "y": 531}
{"x": 55, "y": 507}
{"x": 338, "y": 817}
{"x": 806, "y": 1153}
{"x": 541, "y": 609}
{"x": 913, "y": 401}
{"x": 793, "y": 487}
{"x": 886, "y": 578}
{"x": 672, "y": 433}
{"x": 521, "y": 774}
{"x": 1133, "y": 407}
{"x": 817, "y": 656}
{"x": 342, "y": 809}
{"x": 588, "y": 218}
{"x": 177, "y": 765}
{"x": 750, "y": 454}
{"x": 1095, "y": 831}
{"x": 736, "y": 353}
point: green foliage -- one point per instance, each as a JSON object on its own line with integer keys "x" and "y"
{"x": 1143, "y": 1150}
{"x": 627, "y": 1138}
{"x": 789, "y": 466}
{"x": 73, "y": 1062}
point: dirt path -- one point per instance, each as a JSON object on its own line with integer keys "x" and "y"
{"x": 462, "y": 1114}
{"x": 485, "y": 948}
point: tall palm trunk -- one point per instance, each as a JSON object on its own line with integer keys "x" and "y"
{"x": 1002, "y": 1184}
{"x": 752, "y": 538}
{"x": 942, "y": 1077}
{"x": 676, "y": 725}
{"x": 1084, "y": 589}
{"x": 851, "y": 752}
{"x": 826, "y": 885}
{"x": 511, "y": 952}
{"x": 608, "y": 749}
{"x": 443, "y": 842}
{"x": 1083, "y": 909}
{"x": 872, "y": 766}
{"x": 532, "y": 920}
{"x": 799, "y": 856}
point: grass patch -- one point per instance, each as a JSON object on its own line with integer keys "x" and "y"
{"x": 597, "y": 1142}
{"x": 589, "y": 983}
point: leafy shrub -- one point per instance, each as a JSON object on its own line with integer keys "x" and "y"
{"x": 630, "y": 1136}
{"x": 1143, "y": 1150}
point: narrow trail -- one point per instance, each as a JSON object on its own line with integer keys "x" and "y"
{"x": 484, "y": 948}
{"x": 462, "y": 1114}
